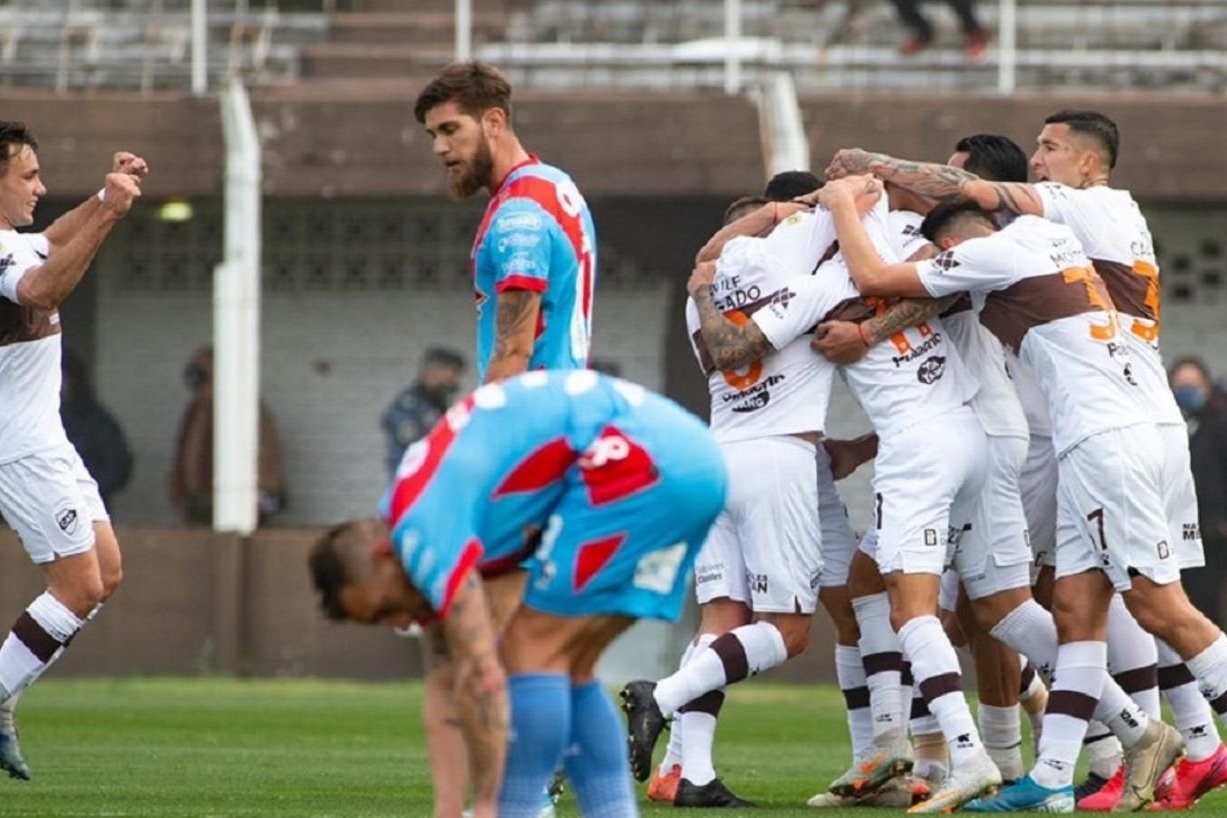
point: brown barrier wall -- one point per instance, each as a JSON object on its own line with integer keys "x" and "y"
{"x": 195, "y": 602}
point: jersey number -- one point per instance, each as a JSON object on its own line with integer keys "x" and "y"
{"x": 735, "y": 378}
{"x": 1148, "y": 332}
{"x": 1089, "y": 278}
{"x": 899, "y": 339}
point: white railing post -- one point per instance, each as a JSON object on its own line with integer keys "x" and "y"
{"x": 786, "y": 145}
{"x": 200, "y": 48}
{"x": 464, "y": 30}
{"x": 236, "y": 324}
{"x": 732, "y": 42}
{"x": 1007, "y": 52}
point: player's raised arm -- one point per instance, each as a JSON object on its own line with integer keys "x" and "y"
{"x": 758, "y": 223}
{"x": 481, "y": 691}
{"x": 731, "y": 345}
{"x": 940, "y": 183}
{"x": 515, "y": 331}
{"x": 872, "y": 275}
{"x": 49, "y": 284}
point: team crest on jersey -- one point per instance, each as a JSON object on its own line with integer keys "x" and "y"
{"x": 931, "y": 371}
{"x": 910, "y": 230}
{"x": 946, "y": 260}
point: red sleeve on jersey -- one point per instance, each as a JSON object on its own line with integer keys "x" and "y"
{"x": 468, "y": 558}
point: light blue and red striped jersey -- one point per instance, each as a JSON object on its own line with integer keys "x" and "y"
{"x": 538, "y": 235}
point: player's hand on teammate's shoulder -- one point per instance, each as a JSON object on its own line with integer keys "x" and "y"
{"x": 129, "y": 163}
{"x": 863, "y": 190}
{"x": 839, "y": 342}
{"x": 847, "y": 161}
{"x": 122, "y": 189}
{"x": 702, "y": 276}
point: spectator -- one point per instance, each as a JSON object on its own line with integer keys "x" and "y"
{"x": 975, "y": 36}
{"x": 416, "y": 410}
{"x": 192, "y": 472}
{"x": 94, "y": 432}
{"x": 1205, "y": 407}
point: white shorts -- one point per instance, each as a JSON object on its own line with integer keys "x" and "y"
{"x": 51, "y": 501}
{"x": 1110, "y": 513}
{"x": 764, "y": 547}
{"x": 925, "y": 476}
{"x": 1180, "y": 496}
{"x": 838, "y": 538}
{"x": 1037, "y": 484}
{"x": 991, "y": 550}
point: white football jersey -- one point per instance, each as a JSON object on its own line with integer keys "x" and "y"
{"x": 905, "y": 235}
{"x": 1115, "y": 236}
{"x": 29, "y": 355}
{"x": 786, "y": 392}
{"x": 908, "y": 379}
{"x": 1032, "y": 399}
{"x": 996, "y": 403}
{"x": 1039, "y": 294}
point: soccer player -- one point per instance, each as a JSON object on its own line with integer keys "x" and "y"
{"x": 602, "y": 495}
{"x": 1075, "y": 154}
{"x": 535, "y": 252}
{"x": 1039, "y": 295}
{"x": 46, "y": 493}
{"x": 755, "y": 575}
{"x": 898, "y": 388}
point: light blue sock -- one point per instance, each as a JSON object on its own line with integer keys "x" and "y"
{"x": 596, "y": 760}
{"x": 540, "y": 725}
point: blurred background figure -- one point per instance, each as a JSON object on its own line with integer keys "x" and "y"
{"x": 191, "y": 479}
{"x": 414, "y": 412}
{"x": 1205, "y": 407}
{"x": 975, "y": 35}
{"x": 93, "y": 430}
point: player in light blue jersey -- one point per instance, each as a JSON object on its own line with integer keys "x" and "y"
{"x": 591, "y": 494}
{"x": 535, "y": 252}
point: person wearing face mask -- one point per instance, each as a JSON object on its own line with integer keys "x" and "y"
{"x": 418, "y": 407}
{"x": 1204, "y": 406}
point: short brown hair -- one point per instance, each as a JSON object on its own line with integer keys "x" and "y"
{"x": 13, "y": 134}
{"x": 475, "y": 86}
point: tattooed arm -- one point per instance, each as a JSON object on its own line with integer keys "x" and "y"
{"x": 731, "y": 345}
{"x": 844, "y": 342}
{"x": 515, "y": 329}
{"x": 758, "y": 223}
{"x": 481, "y": 692}
{"x": 940, "y": 183}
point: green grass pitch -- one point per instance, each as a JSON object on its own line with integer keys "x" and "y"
{"x": 211, "y": 747}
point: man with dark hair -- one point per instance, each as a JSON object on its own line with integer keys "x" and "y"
{"x": 1075, "y": 154}
{"x": 790, "y": 184}
{"x": 1038, "y": 292}
{"x": 535, "y": 252}
{"x": 418, "y": 407}
{"x": 587, "y": 493}
{"x": 46, "y": 493}
{"x": 990, "y": 156}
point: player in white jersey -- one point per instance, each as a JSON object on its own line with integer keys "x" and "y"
{"x": 756, "y": 576}
{"x": 46, "y": 493}
{"x": 1038, "y": 293}
{"x": 1076, "y": 153}
{"x": 924, "y": 468}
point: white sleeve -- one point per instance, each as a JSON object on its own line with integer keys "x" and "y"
{"x": 1060, "y": 203}
{"x": 801, "y": 240}
{"x": 976, "y": 265}
{"x": 16, "y": 261}
{"x": 796, "y": 310}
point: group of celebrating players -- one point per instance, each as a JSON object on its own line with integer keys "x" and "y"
{"x": 1032, "y": 492}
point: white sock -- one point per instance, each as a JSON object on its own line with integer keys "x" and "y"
{"x": 35, "y": 641}
{"x": 883, "y": 661}
{"x": 1132, "y": 658}
{"x": 1077, "y": 682}
{"x": 1002, "y": 735}
{"x": 936, "y": 668}
{"x": 700, "y": 727}
{"x": 1029, "y": 629}
{"x": 1210, "y": 669}
{"x": 732, "y": 657}
{"x": 1103, "y": 750}
{"x": 851, "y": 675}
{"x": 1190, "y": 711}
{"x": 673, "y": 752}
{"x": 921, "y": 722}
{"x": 1120, "y": 713}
